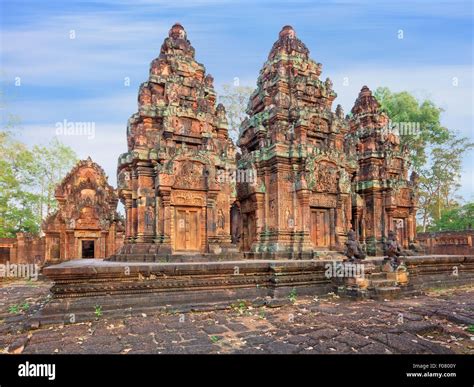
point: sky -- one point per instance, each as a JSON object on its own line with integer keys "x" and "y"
{"x": 83, "y": 61}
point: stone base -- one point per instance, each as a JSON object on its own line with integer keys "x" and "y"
{"x": 121, "y": 288}
{"x": 129, "y": 287}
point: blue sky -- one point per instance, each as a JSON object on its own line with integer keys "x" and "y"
{"x": 82, "y": 79}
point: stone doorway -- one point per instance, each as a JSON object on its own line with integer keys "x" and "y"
{"x": 88, "y": 248}
{"x": 320, "y": 227}
{"x": 187, "y": 229}
{"x": 4, "y": 255}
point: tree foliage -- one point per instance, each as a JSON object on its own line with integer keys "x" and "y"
{"x": 405, "y": 108}
{"x": 235, "y": 99}
{"x": 27, "y": 181}
{"x": 455, "y": 219}
{"x": 436, "y": 152}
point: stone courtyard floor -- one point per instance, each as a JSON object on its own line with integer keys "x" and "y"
{"x": 440, "y": 322}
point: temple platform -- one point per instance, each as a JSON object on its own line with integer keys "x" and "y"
{"x": 129, "y": 288}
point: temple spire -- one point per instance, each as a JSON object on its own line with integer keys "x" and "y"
{"x": 366, "y": 102}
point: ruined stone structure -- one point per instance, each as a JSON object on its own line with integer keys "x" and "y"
{"x": 384, "y": 198}
{"x": 178, "y": 149}
{"x": 86, "y": 224}
{"x": 25, "y": 248}
{"x": 307, "y": 176}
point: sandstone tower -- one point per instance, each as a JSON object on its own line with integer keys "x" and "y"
{"x": 384, "y": 198}
{"x": 178, "y": 147}
{"x": 301, "y": 199}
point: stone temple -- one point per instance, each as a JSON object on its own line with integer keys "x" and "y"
{"x": 86, "y": 224}
{"x": 316, "y": 174}
{"x": 316, "y": 184}
{"x": 178, "y": 146}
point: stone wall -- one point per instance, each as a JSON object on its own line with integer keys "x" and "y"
{"x": 24, "y": 248}
{"x": 447, "y": 242}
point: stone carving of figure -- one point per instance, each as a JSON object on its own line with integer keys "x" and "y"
{"x": 173, "y": 98}
{"x": 221, "y": 220}
{"x": 149, "y": 218}
{"x": 328, "y": 84}
{"x": 344, "y": 181}
{"x": 414, "y": 179}
{"x": 209, "y": 81}
{"x": 339, "y": 112}
{"x": 353, "y": 248}
{"x": 319, "y": 69}
{"x": 145, "y": 96}
{"x": 392, "y": 249}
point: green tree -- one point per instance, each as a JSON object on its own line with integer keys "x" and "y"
{"x": 436, "y": 152}
{"x": 17, "y": 200}
{"x": 235, "y": 100}
{"x": 53, "y": 163}
{"x": 27, "y": 182}
{"x": 439, "y": 180}
{"x": 405, "y": 108}
{"x": 457, "y": 218}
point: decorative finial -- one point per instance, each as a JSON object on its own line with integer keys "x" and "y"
{"x": 177, "y": 32}
{"x": 287, "y": 31}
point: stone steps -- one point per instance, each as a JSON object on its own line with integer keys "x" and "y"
{"x": 379, "y": 284}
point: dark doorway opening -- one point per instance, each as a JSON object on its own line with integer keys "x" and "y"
{"x": 87, "y": 249}
{"x": 4, "y": 255}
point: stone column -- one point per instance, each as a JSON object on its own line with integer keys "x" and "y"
{"x": 210, "y": 230}
{"x": 260, "y": 203}
{"x": 145, "y": 203}
{"x": 128, "y": 202}
{"x": 332, "y": 228}
{"x": 303, "y": 224}
{"x": 411, "y": 227}
{"x": 167, "y": 219}
{"x": 134, "y": 218}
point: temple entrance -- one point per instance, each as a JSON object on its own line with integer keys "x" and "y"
{"x": 4, "y": 255}
{"x": 187, "y": 229}
{"x": 87, "y": 249}
{"x": 320, "y": 227}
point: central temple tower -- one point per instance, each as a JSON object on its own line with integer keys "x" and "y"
{"x": 178, "y": 146}
{"x": 300, "y": 201}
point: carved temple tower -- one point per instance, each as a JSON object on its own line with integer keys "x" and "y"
{"x": 86, "y": 224}
{"x": 178, "y": 146}
{"x": 384, "y": 199}
{"x": 300, "y": 201}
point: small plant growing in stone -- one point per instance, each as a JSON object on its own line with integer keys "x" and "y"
{"x": 240, "y": 307}
{"x": 25, "y": 306}
{"x": 214, "y": 339}
{"x": 14, "y": 309}
{"x": 98, "y": 311}
{"x": 292, "y": 296}
{"x": 261, "y": 314}
{"x": 470, "y": 328}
